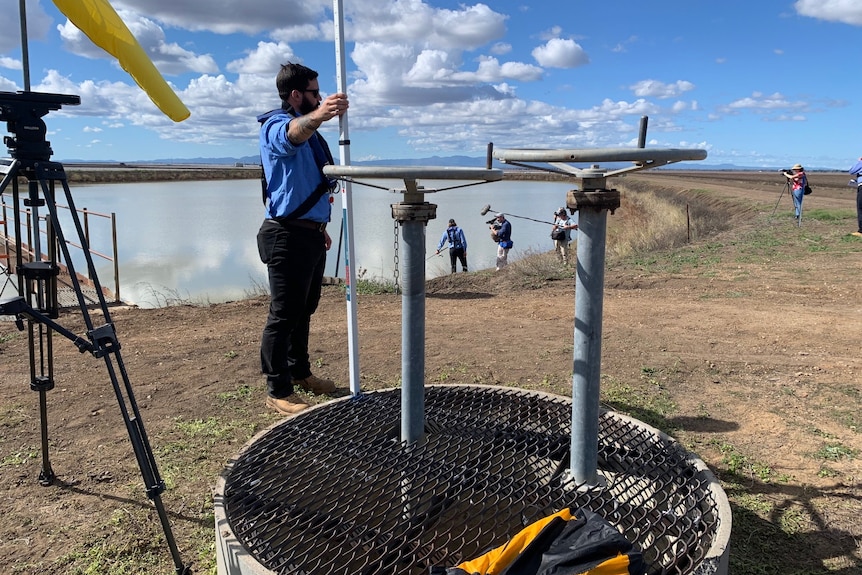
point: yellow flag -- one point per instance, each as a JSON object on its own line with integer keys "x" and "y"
{"x": 101, "y": 23}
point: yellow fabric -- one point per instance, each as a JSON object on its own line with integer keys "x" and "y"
{"x": 619, "y": 565}
{"x": 496, "y": 560}
{"x": 98, "y": 20}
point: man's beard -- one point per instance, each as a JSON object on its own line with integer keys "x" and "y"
{"x": 306, "y": 107}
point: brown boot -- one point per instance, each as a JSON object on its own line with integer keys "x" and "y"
{"x": 315, "y": 384}
{"x": 290, "y": 405}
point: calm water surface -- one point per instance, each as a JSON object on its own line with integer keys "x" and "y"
{"x": 196, "y": 240}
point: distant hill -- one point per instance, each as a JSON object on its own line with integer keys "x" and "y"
{"x": 456, "y": 161}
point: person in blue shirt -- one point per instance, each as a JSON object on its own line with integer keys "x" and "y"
{"x": 856, "y": 170}
{"x": 501, "y": 232}
{"x": 457, "y": 245}
{"x": 292, "y": 241}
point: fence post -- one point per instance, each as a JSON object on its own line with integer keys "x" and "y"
{"x": 116, "y": 261}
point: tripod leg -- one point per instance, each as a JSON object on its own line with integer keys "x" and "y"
{"x": 784, "y": 189}
{"x": 46, "y": 476}
{"x": 106, "y": 346}
{"x": 38, "y": 278}
{"x": 41, "y": 364}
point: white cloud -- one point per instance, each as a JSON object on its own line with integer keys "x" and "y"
{"x": 490, "y": 70}
{"x": 560, "y": 53}
{"x": 552, "y": 33}
{"x": 416, "y": 23}
{"x": 230, "y": 16}
{"x": 760, "y": 102}
{"x": 11, "y": 63}
{"x": 169, "y": 58}
{"x": 38, "y": 23}
{"x": 845, "y": 11}
{"x": 656, "y": 89}
{"x": 397, "y": 74}
{"x": 304, "y": 32}
{"x": 501, "y": 48}
{"x": 623, "y": 46}
{"x": 787, "y": 118}
{"x": 7, "y": 85}
{"x": 267, "y": 58}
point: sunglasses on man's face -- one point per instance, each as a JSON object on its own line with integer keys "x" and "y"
{"x": 315, "y": 93}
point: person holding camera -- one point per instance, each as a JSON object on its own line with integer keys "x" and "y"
{"x": 293, "y": 240}
{"x": 561, "y": 233}
{"x": 457, "y": 245}
{"x": 501, "y": 232}
{"x": 856, "y": 170}
{"x": 798, "y": 180}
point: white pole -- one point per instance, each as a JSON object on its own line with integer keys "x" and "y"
{"x": 346, "y": 206}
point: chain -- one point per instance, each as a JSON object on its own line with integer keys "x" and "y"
{"x": 395, "y": 259}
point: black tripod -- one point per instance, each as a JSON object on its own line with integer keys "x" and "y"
{"x": 37, "y": 279}
{"x": 786, "y": 189}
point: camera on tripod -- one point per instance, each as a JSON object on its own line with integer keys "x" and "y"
{"x": 22, "y": 112}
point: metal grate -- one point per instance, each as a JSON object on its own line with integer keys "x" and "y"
{"x": 333, "y": 490}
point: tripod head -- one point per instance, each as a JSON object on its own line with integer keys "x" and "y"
{"x": 22, "y": 112}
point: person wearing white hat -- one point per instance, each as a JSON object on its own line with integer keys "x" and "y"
{"x": 501, "y": 232}
{"x": 798, "y": 180}
{"x": 561, "y": 233}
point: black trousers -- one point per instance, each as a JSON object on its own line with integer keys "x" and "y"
{"x": 458, "y": 254}
{"x": 295, "y": 259}
{"x": 859, "y": 208}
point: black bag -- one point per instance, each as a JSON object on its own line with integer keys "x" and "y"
{"x": 558, "y": 234}
{"x": 806, "y": 190}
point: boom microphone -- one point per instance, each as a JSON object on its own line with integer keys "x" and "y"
{"x": 487, "y": 209}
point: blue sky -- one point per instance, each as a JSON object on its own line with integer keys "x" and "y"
{"x": 760, "y": 83}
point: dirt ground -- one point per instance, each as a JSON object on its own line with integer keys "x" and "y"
{"x": 744, "y": 345}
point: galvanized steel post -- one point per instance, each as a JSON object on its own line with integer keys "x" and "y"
{"x": 592, "y": 204}
{"x": 412, "y": 215}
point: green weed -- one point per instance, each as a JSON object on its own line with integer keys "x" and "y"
{"x": 835, "y": 452}
{"x": 647, "y": 401}
{"x": 7, "y": 337}
{"x": 740, "y": 464}
{"x": 20, "y": 457}
{"x": 242, "y": 393}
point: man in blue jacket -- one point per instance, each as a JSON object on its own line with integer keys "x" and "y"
{"x": 293, "y": 240}
{"x": 457, "y": 245}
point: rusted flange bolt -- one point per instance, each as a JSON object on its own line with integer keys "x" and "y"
{"x": 594, "y": 200}
{"x": 421, "y": 212}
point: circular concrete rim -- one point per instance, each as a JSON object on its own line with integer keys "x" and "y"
{"x": 233, "y": 558}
